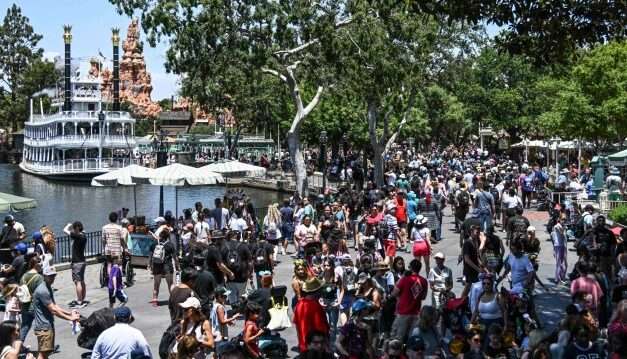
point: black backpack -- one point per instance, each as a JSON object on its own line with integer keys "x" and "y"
{"x": 232, "y": 257}
{"x": 463, "y": 199}
{"x": 168, "y": 339}
{"x": 260, "y": 256}
{"x": 383, "y": 230}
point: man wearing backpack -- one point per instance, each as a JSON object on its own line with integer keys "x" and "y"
{"x": 262, "y": 252}
{"x": 238, "y": 259}
{"x": 30, "y": 280}
{"x": 527, "y": 188}
{"x": 517, "y": 226}
{"x": 164, "y": 263}
{"x": 462, "y": 204}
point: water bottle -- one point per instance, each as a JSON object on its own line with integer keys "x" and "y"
{"x": 76, "y": 328}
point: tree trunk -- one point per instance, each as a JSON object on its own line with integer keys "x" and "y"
{"x": 378, "y": 165}
{"x": 300, "y": 170}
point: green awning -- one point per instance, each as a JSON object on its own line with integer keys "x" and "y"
{"x": 618, "y": 156}
{"x": 12, "y": 203}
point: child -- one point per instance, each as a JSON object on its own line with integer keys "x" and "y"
{"x": 13, "y": 307}
{"x": 251, "y": 329}
{"x": 219, "y": 319}
{"x": 116, "y": 285}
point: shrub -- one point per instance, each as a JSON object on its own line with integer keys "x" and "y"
{"x": 619, "y": 215}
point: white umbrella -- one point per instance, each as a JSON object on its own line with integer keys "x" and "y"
{"x": 127, "y": 176}
{"x": 236, "y": 168}
{"x": 177, "y": 175}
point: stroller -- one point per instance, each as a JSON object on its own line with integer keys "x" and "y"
{"x": 271, "y": 344}
{"x": 93, "y": 326}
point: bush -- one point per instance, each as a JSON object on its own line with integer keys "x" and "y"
{"x": 619, "y": 215}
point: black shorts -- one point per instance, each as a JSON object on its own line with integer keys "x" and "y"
{"x": 78, "y": 271}
{"x": 161, "y": 269}
{"x": 471, "y": 276}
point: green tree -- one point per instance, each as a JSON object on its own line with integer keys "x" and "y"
{"x": 22, "y": 72}
{"x": 590, "y": 102}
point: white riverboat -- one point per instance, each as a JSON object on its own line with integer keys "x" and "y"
{"x": 85, "y": 134}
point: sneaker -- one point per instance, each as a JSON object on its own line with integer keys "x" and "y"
{"x": 80, "y": 305}
{"x": 73, "y": 303}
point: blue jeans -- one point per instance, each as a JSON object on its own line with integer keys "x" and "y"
{"x": 486, "y": 221}
{"x": 333, "y": 314}
{"x": 27, "y": 322}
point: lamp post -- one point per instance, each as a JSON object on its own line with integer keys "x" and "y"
{"x": 323, "y": 158}
{"x": 411, "y": 141}
{"x": 159, "y": 149}
{"x": 345, "y": 147}
{"x": 101, "y": 121}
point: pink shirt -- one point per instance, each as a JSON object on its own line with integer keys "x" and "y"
{"x": 590, "y": 287}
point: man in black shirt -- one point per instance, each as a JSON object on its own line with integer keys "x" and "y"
{"x": 204, "y": 286}
{"x": 14, "y": 271}
{"x": 262, "y": 258}
{"x": 215, "y": 263}
{"x": 9, "y": 237}
{"x": 238, "y": 258}
{"x": 75, "y": 231}
{"x": 517, "y": 226}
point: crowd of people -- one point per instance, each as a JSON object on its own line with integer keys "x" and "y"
{"x": 370, "y": 278}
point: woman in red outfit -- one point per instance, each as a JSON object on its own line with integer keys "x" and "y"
{"x": 251, "y": 329}
{"x": 309, "y": 315}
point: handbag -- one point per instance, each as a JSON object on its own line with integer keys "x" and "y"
{"x": 279, "y": 318}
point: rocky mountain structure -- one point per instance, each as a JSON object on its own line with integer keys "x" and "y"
{"x": 135, "y": 80}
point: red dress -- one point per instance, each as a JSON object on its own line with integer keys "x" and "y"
{"x": 308, "y": 316}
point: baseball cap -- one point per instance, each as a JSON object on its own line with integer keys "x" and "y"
{"x": 191, "y": 302}
{"x": 122, "y": 313}
{"x": 159, "y": 220}
{"x": 21, "y": 248}
{"x": 222, "y": 291}
{"x": 439, "y": 255}
{"x": 360, "y": 304}
{"x": 37, "y": 236}
{"x": 8, "y": 219}
{"x": 50, "y": 271}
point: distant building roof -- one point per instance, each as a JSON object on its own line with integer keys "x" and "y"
{"x": 183, "y": 116}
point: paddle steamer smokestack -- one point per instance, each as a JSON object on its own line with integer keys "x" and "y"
{"x": 67, "y": 95}
{"x": 115, "y": 38}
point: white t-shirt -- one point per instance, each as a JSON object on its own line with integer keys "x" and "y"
{"x": 238, "y": 224}
{"x": 201, "y": 229}
{"x": 391, "y": 177}
{"x": 420, "y": 235}
{"x": 511, "y": 201}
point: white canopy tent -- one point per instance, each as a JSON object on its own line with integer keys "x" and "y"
{"x": 125, "y": 177}
{"x": 236, "y": 168}
{"x": 178, "y": 175}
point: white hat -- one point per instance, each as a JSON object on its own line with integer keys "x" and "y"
{"x": 402, "y": 176}
{"x": 439, "y": 255}
{"x": 531, "y": 229}
{"x": 49, "y": 270}
{"x": 420, "y": 219}
{"x": 191, "y": 302}
{"x": 159, "y": 220}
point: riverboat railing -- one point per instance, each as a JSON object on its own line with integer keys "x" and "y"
{"x": 79, "y": 165}
{"x": 81, "y": 141}
{"x": 81, "y": 116}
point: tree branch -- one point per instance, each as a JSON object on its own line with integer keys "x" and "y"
{"x": 284, "y": 54}
{"x": 313, "y": 101}
{"x": 274, "y": 73}
{"x": 392, "y": 139}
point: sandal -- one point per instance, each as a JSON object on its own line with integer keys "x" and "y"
{"x": 154, "y": 302}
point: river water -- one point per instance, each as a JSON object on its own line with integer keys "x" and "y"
{"x": 63, "y": 202}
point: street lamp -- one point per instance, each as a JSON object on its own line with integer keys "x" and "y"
{"x": 323, "y": 158}
{"x": 556, "y": 140}
{"x": 101, "y": 120}
{"x": 345, "y": 146}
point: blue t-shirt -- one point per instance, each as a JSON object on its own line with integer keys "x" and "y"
{"x": 527, "y": 184}
{"x": 411, "y": 209}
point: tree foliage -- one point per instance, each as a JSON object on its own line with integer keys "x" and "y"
{"x": 22, "y": 70}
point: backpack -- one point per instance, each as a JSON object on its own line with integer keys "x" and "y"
{"x": 463, "y": 199}
{"x": 158, "y": 254}
{"x": 383, "y": 230}
{"x": 260, "y": 257}
{"x": 232, "y": 258}
{"x": 23, "y": 293}
{"x": 349, "y": 278}
{"x": 168, "y": 339}
{"x": 580, "y": 227}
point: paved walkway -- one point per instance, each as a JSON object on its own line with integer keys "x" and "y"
{"x": 153, "y": 321}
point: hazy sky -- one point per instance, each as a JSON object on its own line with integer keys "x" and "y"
{"x": 91, "y": 22}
